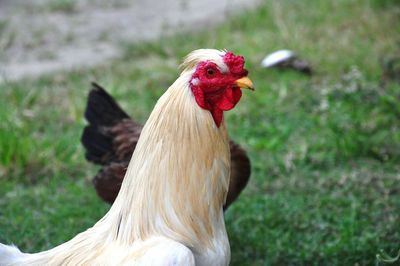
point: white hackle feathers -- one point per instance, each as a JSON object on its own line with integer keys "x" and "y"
{"x": 201, "y": 55}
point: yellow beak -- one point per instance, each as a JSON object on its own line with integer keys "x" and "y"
{"x": 245, "y": 83}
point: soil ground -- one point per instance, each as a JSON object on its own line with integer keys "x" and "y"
{"x": 41, "y": 36}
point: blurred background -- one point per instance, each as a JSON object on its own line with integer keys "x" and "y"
{"x": 324, "y": 145}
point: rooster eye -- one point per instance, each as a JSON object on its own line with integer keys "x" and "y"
{"x": 210, "y": 72}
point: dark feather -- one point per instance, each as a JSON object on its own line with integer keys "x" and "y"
{"x": 109, "y": 179}
{"x": 101, "y": 109}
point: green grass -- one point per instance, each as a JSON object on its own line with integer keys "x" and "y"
{"x": 325, "y": 150}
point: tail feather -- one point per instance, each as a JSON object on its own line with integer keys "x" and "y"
{"x": 102, "y": 112}
{"x": 97, "y": 144}
{"x": 102, "y": 109}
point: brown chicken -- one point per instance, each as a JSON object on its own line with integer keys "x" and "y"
{"x": 111, "y": 137}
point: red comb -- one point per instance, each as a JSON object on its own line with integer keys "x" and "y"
{"x": 235, "y": 63}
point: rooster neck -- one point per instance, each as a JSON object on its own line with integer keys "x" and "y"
{"x": 178, "y": 177}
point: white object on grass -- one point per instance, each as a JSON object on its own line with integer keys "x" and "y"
{"x": 277, "y": 58}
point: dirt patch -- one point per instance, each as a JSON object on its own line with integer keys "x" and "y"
{"x": 41, "y": 36}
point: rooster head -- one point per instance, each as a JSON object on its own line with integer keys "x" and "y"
{"x": 217, "y": 79}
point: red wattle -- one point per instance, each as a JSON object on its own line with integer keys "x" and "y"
{"x": 229, "y": 99}
{"x": 215, "y": 103}
{"x": 217, "y": 115}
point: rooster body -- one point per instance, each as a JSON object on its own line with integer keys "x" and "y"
{"x": 169, "y": 210}
{"x": 111, "y": 137}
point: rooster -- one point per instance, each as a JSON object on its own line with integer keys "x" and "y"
{"x": 111, "y": 137}
{"x": 170, "y": 207}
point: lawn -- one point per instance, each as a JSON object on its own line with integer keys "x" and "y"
{"x": 325, "y": 149}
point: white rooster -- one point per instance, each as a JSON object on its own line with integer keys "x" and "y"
{"x": 169, "y": 209}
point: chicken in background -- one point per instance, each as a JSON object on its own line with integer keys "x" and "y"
{"x": 111, "y": 137}
{"x": 169, "y": 210}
